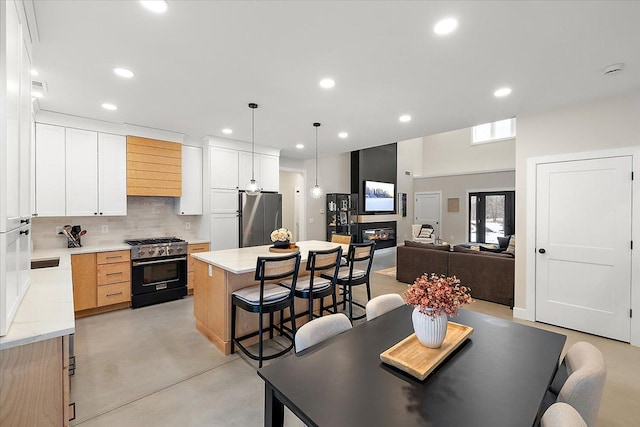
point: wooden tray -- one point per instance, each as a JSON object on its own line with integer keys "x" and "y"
{"x": 293, "y": 248}
{"x": 419, "y": 361}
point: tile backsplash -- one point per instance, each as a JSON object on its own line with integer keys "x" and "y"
{"x": 146, "y": 217}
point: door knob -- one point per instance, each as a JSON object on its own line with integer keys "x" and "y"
{"x": 541, "y": 250}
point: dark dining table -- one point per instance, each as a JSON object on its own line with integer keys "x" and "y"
{"x": 498, "y": 377}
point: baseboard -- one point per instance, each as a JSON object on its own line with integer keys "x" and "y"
{"x": 523, "y": 314}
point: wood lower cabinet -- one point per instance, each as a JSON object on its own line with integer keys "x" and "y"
{"x": 101, "y": 282}
{"x": 34, "y": 385}
{"x": 192, "y": 249}
{"x": 83, "y": 273}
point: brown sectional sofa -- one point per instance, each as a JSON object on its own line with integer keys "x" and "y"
{"x": 489, "y": 275}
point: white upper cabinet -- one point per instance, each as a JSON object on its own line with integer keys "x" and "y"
{"x": 269, "y": 172}
{"x": 191, "y": 201}
{"x": 50, "y": 170}
{"x": 15, "y": 120}
{"x": 112, "y": 174}
{"x": 81, "y": 172}
{"x": 266, "y": 170}
{"x": 224, "y": 168}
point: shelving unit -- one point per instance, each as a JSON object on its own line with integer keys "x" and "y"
{"x": 342, "y": 212}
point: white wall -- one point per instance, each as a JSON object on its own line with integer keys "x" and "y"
{"x": 290, "y": 182}
{"x": 409, "y": 164}
{"x": 598, "y": 125}
{"x": 451, "y": 153}
{"x": 333, "y": 177}
{"x": 454, "y": 224}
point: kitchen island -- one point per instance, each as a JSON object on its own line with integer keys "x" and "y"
{"x": 220, "y": 273}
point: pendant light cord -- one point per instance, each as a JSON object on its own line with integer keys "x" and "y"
{"x": 316, "y": 156}
{"x": 253, "y": 142}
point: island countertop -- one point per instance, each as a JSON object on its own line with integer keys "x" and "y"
{"x": 243, "y": 260}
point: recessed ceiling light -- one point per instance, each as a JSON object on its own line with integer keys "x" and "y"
{"x": 227, "y": 131}
{"x": 109, "y": 107}
{"x": 34, "y": 72}
{"x": 299, "y": 146}
{"x": 123, "y": 72}
{"x": 343, "y": 135}
{"x": 327, "y": 83}
{"x": 36, "y": 94}
{"x": 157, "y": 6}
{"x": 405, "y": 118}
{"x": 445, "y": 26}
{"x": 503, "y": 91}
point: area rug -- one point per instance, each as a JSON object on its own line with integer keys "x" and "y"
{"x": 391, "y": 272}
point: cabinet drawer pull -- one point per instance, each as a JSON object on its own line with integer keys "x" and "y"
{"x": 114, "y": 257}
{"x": 72, "y": 405}
{"x": 113, "y": 295}
{"x": 113, "y": 274}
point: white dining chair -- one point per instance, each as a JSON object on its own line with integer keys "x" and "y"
{"x": 585, "y": 372}
{"x": 320, "y": 329}
{"x": 382, "y": 304}
{"x": 562, "y": 415}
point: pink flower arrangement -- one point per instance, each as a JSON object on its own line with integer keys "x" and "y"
{"x": 438, "y": 293}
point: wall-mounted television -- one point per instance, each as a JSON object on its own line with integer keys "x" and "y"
{"x": 379, "y": 197}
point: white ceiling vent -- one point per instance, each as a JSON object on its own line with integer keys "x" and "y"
{"x": 38, "y": 86}
{"x": 612, "y": 69}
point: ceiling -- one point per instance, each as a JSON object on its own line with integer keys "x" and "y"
{"x": 198, "y": 65}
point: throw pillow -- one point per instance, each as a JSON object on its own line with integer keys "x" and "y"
{"x": 512, "y": 245}
{"x": 503, "y": 242}
{"x": 425, "y": 232}
{"x": 474, "y": 248}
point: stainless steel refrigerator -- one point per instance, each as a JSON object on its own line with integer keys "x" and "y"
{"x": 259, "y": 216}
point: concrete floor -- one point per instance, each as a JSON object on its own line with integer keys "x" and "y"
{"x": 150, "y": 367}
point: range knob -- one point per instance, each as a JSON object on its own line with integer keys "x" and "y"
{"x": 179, "y": 250}
{"x": 160, "y": 251}
{"x": 141, "y": 252}
{"x": 169, "y": 251}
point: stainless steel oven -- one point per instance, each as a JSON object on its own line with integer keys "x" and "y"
{"x": 158, "y": 270}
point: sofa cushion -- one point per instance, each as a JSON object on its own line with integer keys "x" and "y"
{"x": 412, "y": 244}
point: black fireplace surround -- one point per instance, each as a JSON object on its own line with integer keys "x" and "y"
{"x": 383, "y": 233}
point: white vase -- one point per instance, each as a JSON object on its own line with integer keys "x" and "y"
{"x": 430, "y": 331}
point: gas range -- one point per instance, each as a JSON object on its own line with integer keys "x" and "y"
{"x": 160, "y": 247}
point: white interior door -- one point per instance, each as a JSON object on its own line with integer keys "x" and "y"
{"x": 427, "y": 210}
{"x": 583, "y": 244}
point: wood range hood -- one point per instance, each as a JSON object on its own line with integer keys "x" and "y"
{"x": 154, "y": 167}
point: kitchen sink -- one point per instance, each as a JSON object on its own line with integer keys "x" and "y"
{"x": 45, "y": 263}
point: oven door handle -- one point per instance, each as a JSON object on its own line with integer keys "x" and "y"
{"x": 160, "y": 261}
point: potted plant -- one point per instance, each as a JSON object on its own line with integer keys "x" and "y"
{"x": 434, "y": 297}
{"x": 281, "y": 238}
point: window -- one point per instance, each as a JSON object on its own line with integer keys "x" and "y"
{"x": 491, "y": 215}
{"x": 493, "y": 132}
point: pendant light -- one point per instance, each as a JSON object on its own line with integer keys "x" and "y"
{"x": 316, "y": 191}
{"x": 252, "y": 187}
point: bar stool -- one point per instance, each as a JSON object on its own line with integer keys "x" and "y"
{"x": 349, "y": 276}
{"x": 313, "y": 287}
{"x": 267, "y": 298}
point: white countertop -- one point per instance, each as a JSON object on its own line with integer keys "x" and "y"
{"x": 47, "y": 308}
{"x": 243, "y": 260}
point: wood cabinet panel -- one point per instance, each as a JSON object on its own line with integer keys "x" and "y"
{"x": 113, "y": 256}
{"x": 114, "y": 293}
{"x": 192, "y": 249}
{"x": 32, "y": 387}
{"x": 83, "y": 273}
{"x": 114, "y": 273}
{"x": 154, "y": 155}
